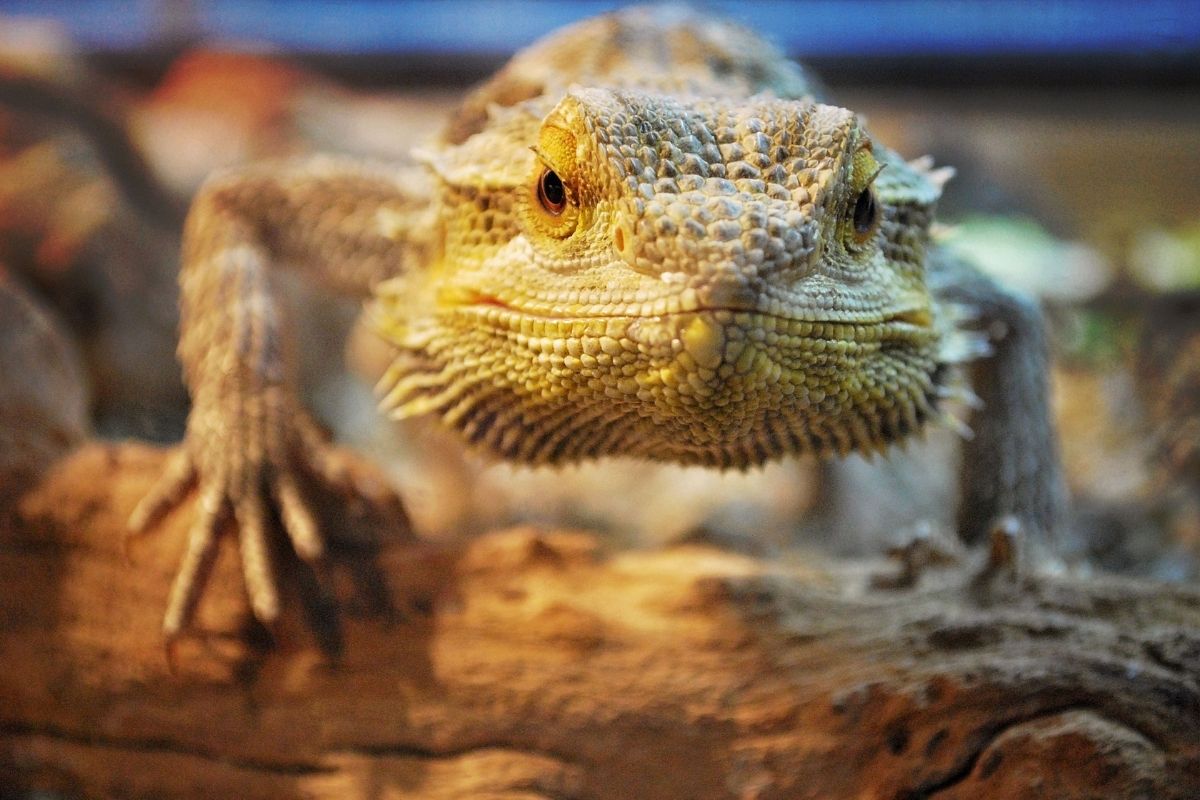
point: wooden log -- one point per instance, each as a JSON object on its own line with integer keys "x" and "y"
{"x": 529, "y": 664}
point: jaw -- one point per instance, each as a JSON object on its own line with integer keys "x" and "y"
{"x": 717, "y": 387}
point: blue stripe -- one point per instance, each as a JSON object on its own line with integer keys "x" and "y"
{"x": 814, "y": 27}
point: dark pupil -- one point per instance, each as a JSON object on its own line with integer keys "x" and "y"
{"x": 552, "y": 189}
{"x": 864, "y": 212}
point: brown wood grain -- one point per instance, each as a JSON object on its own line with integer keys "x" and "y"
{"x": 528, "y": 664}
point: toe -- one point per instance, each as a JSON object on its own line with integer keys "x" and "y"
{"x": 178, "y": 476}
{"x": 256, "y": 560}
{"x": 197, "y": 559}
{"x": 298, "y": 519}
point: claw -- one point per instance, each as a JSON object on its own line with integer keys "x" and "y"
{"x": 315, "y": 445}
{"x": 178, "y": 476}
{"x": 1004, "y": 558}
{"x": 197, "y": 559}
{"x": 243, "y": 484}
{"x": 1004, "y": 544}
{"x": 171, "y": 653}
{"x": 256, "y": 558}
{"x": 298, "y": 520}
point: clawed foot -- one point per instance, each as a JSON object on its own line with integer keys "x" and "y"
{"x": 1004, "y": 553}
{"x": 1003, "y": 562}
{"x": 1015, "y": 558}
{"x": 920, "y": 551}
{"x": 251, "y": 490}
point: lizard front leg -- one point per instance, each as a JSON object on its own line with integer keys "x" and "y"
{"x": 249, "y": 438}
{"x": 1010, "y": 465}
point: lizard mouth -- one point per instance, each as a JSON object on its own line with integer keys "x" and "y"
{"x": 919, "y": 318}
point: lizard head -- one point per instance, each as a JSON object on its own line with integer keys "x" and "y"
{"x": 694, "y": 279}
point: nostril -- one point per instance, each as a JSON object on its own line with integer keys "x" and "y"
{"x": 623, "y": 243}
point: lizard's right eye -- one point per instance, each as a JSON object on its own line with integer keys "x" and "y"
{"x": 551, "y": 192}
{"x": 865, "y": 215}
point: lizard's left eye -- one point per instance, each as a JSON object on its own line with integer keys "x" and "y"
{"x": 551, "y": 192}
{"x": 865, "y": 215}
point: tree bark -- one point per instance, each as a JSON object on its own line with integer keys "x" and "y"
{"x": 532, "y": 664}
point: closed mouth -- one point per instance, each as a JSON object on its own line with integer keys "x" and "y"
{"x": 483, "y": 302}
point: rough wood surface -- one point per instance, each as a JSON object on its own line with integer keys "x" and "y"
{"x": 535, "y": 665}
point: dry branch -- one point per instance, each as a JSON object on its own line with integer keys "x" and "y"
{"x": 532, "y": 665}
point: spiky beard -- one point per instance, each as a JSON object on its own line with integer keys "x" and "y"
{"x": 510, "y": 395}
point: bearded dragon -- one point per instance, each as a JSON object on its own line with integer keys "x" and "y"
{"x": 648, "y": 235}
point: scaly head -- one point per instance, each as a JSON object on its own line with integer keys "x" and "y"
{"x": 700, "y": 280}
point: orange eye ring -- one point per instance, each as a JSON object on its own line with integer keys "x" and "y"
{"x": 551, "y": 193}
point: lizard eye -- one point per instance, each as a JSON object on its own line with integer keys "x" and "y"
{"x": 551, "y": 192}
{"x": 865, "y": 215}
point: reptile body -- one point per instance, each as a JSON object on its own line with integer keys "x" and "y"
{"x": 645, "y": 236}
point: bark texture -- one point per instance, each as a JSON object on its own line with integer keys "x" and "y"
{"x": 529, "y": 664}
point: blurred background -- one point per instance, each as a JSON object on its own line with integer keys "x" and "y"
{"x": 1074, "y": 126}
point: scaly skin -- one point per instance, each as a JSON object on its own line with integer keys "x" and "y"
{"x": 701, "y": 298}
{"x": 643, "y": 237}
